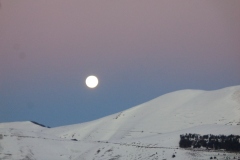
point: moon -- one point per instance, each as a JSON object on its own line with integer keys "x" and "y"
{"x": 92, "y": 81}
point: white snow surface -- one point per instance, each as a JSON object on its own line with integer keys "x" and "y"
{"x": 147, "y": 131}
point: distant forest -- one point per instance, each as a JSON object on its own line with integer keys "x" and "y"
{"x": 228, "y": 143}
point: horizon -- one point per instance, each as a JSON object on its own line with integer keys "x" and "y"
{"x": 46, "y": 126}
{"x": 138, "y": 50}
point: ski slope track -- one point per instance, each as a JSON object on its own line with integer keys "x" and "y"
{"x": 149, "y": 131}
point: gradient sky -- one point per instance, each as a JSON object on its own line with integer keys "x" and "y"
{"x": 138, "y": 49}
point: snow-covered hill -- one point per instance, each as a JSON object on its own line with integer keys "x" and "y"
{"x": 147, "y": 131}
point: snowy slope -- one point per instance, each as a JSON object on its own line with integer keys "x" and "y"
{"x": 147, "y": 131}
{"x": 171, "y": 112}
{"x": 27, "y": 126}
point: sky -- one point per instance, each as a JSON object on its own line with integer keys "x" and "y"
{"x": 139, "y": 50}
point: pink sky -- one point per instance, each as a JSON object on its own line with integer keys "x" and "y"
{"x": 156, "y": 46}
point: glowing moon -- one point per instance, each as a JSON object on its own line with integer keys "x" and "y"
{"x": 92, "y": 81}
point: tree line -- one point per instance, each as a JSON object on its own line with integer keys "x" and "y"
{"x": 228, "y": 143}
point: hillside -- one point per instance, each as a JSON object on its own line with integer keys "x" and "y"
{"x": 171, "y": 112}
{"x": 147, "y": 131}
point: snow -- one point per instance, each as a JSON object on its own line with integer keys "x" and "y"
{"x": 27, "y": 126}
{"x": 147, "y": 131}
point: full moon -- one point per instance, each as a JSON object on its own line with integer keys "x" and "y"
{"x": 92, "y": 81}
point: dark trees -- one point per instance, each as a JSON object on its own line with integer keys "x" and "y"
{"x": 229, "y": 143}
